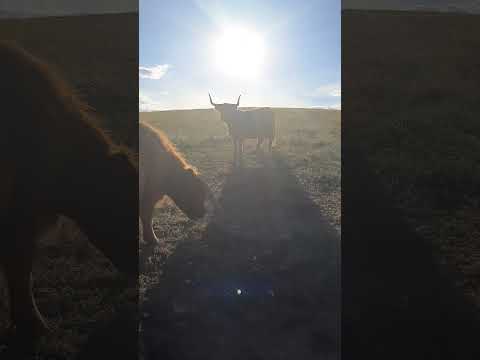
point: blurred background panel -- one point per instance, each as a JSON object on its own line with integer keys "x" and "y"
{"x": 94, "y": 46}
{"x": 410, "y": 144}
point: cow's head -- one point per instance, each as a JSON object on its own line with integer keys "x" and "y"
{"x": 190, "y": 194}
{"x": 226, "y": 110}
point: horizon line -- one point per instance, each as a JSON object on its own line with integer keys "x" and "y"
{"x": 252, "y": 107}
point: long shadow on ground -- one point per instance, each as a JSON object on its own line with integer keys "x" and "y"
{"x": 396, "y": 302}
{"x": 262, "y": 283}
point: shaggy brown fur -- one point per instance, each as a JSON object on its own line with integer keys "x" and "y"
{"x": 164, "y": 171}
{"x": 55, "y": 160}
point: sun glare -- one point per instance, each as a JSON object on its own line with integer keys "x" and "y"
{"x": 240, "y": 52}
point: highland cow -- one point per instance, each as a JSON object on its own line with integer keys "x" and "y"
{"x": 164, "y": 171}
{"x": 246, "y": 124}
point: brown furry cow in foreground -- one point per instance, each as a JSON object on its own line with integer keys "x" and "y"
{"x": 164, "y": 171}
{"x": 54, "y": 160}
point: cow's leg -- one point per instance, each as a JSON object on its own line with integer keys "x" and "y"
{"x": 240, "y": 146}
{"x": 150, "y": 240}
{"x": 235, "y": 154}
{"x": 27, "y": 321}
{"x": 147, "y": 205}
{"x": 270, "y": 141}
{"x": 259, "y": 144}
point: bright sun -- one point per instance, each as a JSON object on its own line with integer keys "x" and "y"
{"x": 240, "y": 52}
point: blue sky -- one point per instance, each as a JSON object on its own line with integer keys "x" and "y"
{"x": 182, "y": 57}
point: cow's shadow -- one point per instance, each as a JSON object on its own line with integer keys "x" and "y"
{"x": 115, "y": 339}
{"x": 261, "y": 283}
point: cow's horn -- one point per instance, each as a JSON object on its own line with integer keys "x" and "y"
{"x": 238, "y": 101}
{"x": 211, "y": 102}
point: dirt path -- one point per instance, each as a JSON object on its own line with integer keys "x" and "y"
{"x": 262, "y": 282}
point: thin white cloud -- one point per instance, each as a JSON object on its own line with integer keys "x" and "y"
{"x": 153, "y": 72}
{"x": 146, "y": 103}
{"x": 328, "y": 90}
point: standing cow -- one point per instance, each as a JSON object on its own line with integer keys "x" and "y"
{"x": 246, "y": 124}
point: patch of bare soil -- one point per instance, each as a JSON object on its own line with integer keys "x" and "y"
{"x": 261, "y": 281}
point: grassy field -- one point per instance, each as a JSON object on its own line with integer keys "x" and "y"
{"x": 76, "y": 287}
{"x": 410, "y": 85}
{"x": 276, "y": 239}
{"x": 308, "y": 139}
